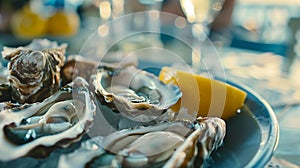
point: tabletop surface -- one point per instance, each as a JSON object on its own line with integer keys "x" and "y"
{"x": 262, "y": 72}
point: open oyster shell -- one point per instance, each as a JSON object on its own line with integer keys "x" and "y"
{"x": 151, "y": 146}
{"x": 34, "y": 73}
{"x": 77, "y": 65}
{"x": 38, "y": 128}
{"x": 137, "y": 94}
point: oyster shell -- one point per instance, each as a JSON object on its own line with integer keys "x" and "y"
{"x": 38, "y": 128}
{"x": 34, "y": 73}
{"x": 77, "y": 65}
{"x": 145, "y": 147}
{"x": 136, "y": 94}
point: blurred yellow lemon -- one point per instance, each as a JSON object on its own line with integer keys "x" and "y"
{"x": 26, "y": 24}
{"x": 63, "y": 23}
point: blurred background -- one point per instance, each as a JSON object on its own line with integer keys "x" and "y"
{"x": 255, "y": 25}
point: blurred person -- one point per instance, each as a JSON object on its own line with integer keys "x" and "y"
{"x": 219, "y": 28}
{"x": 220, "y": 22}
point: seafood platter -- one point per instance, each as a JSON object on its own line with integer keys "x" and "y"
{"x": 59, "y": 110}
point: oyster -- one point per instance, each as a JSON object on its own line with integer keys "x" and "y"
{"x": 136, "y": 94}
{"x": 34, "y": 73}
{"x": 38, "y": 128}
{"x": 77, "y": 65}
{"x": 145, "y": 147}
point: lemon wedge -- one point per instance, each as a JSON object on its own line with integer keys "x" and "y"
{"x": 202, "y": 96}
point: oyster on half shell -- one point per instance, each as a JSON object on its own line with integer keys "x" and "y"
{"x": 136, "y": 94}
{"x": 151, "y": 146}
{"x": 34, "y": 73}
{"x": 58, "y": 121}
{"x": 78, "y": 65}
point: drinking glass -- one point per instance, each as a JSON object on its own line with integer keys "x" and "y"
{"x": 201, "y": 14}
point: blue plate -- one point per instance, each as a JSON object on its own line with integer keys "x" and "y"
{"x": 252, "y": 135}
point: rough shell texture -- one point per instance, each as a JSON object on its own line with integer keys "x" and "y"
{"x": 136, "y": 94}
{"x": 145, "y": 147}
{"x": 77, "y": 65}
{"x": 38, "y": 128}
{"x": 85, "y": 66}
{"x": 206, "y": 138}
{"x": 34, "y": 74}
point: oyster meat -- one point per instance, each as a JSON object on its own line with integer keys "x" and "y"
{"x": 34, "y": 73}
{"x": 36, "y": 129}
{"x": 136, "y": 94}
{"x": 145, "y": 147}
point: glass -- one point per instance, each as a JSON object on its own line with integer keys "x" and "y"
{"x": 148, "y": 21}
{"x": 200, "y": 13}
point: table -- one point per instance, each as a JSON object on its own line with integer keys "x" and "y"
{"x": 262, "y": 72}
